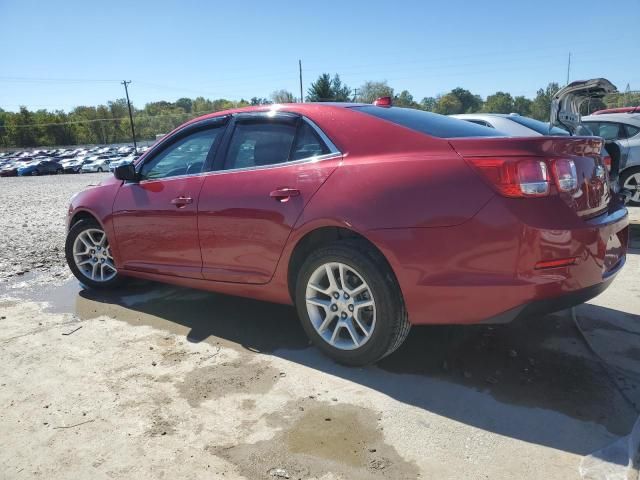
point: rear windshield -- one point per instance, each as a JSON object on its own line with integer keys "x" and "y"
{"x": 429, "y": 123}
{"x": 537, "y": 125}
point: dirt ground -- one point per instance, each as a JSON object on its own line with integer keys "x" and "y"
{"x": 154, "y": 381}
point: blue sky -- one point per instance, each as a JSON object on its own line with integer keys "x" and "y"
{"x": 60, "y": 54}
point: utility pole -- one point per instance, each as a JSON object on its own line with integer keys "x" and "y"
{"x": 133, "y": 128}
{"x": 300, "y": 71}
{"x": 568, "y": 68}
{"x": 355, "y": 94}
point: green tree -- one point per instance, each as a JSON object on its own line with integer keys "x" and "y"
{"x": 321, "y": 90}
{"x": 370, "y": 91}
{"x": 405, "y": 99}
{"x": 428, "y": 104}
{"x": 448, "y": 104}
{"x": 522, "y": 105}
{"x": 282, "y": 96}
{"x": 541, "y": 104}
{"x": 499, "y": 102}
{"x": 470, "y": 102}
{"x": 341, "y": 92}
{"x": 185, "y": 103}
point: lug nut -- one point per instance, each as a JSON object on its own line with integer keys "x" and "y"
{"x": 93, "y": 252}
{"x": 334, "y": 308}
{"x": 346, "y": 295}
{"x": 336, "y": 295}
{"x": 102, "y": 260}
{"x": 344, "y": 315}
{"x": 351, "y": 308}
{"x": 95, "y": 259}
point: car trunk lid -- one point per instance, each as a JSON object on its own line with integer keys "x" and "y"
{"x": 565, "y": 105}
{"x": 591, "y": 195}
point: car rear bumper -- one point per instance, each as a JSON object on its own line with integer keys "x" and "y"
{"x": 484, "y": 271}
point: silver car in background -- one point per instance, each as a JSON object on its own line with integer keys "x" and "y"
{"x": 512, "y": 124}
{"x": 624, "y": 128}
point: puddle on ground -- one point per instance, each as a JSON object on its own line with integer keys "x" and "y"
{"x": 513, "y": 363}
{"x": 220, "y": 380}
{"x": 318, "y": 439}
{"x": 195, "y": 314}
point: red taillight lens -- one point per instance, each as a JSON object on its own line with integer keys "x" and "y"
{"x": 565, "y": 173}
{"x": 606, "y": 160}
{"x": 515, "y": 177}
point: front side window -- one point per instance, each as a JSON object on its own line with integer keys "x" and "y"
{"x": 185, "y": 157}
{"x": 256, "y": 144}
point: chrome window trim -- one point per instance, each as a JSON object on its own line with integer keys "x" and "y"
{"x": 333, "y": 153}
{"x": 316, "y": 159}
{"x": 323, "y": 136}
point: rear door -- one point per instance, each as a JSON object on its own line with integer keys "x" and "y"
{"x": 266, "y": 172}
{"x": 155, "y": 219}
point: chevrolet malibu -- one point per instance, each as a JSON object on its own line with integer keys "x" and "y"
{"x": 369, "y": 218}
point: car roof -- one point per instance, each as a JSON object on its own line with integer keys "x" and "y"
{"x": 630, "y": 118}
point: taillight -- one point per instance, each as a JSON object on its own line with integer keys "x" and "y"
{"x": 515, "y": 177}
{"x": 607, "y": 162}
{"x": 566, "y": 176}
{"x": 519, "y": 177}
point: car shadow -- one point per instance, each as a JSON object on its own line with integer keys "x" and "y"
{"x": 536, "y": 381}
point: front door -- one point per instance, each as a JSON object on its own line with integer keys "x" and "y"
{"x": 268, "y": 169}
{"x": 155, "y": 219}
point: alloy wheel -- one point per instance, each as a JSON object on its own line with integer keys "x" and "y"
{"x": 341, "y": 306}
{"x": 633, "y": 183}
{"x": 92, "y": 255}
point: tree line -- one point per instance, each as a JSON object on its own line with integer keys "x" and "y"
{"x": 104, "y": 124}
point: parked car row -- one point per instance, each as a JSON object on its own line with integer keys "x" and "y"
{"x": 59, "y": 161}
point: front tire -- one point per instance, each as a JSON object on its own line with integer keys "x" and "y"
{"x": 630, "y": 179}
{"x": 89, "y": 256}
{"x": 100, "y": 170}
{"x": 350, "y": 304}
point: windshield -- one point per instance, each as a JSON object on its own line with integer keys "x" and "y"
{"x": 537, "y": 125}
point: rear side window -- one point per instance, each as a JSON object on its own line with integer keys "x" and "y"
{"x": 429, "y": 123}
{"x": 631, "y": 130}
{"x": 308, "y": 143}
{"x": 606, "y": 130}
{"x": 257, "y": 144}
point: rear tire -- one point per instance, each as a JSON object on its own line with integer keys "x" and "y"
{"x": 59, "y": 171}
{"x": 361, "y": 318}
{"x": 630, "y": 179}
{"x": 100, "y": 170}
{"x": 89, "y": 256}
{"x": 35, "y": 173}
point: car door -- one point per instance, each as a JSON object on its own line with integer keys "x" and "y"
{"x": 155, "y": 218}
{"x": 267, "y": 170}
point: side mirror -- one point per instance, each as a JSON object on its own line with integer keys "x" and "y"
{"x": 126, "y": 172}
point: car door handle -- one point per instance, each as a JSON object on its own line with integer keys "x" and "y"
{"x": 181, "y": 201}
{"x": 283, "y": 194}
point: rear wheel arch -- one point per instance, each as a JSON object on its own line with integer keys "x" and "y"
{"x": 324, "y": 236}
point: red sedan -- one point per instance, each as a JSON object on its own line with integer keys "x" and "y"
{"x": 369, "y": 218}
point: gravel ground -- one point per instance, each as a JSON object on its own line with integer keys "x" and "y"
{"x": 155, "y": 381}
{"x": 33, "y": 222}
